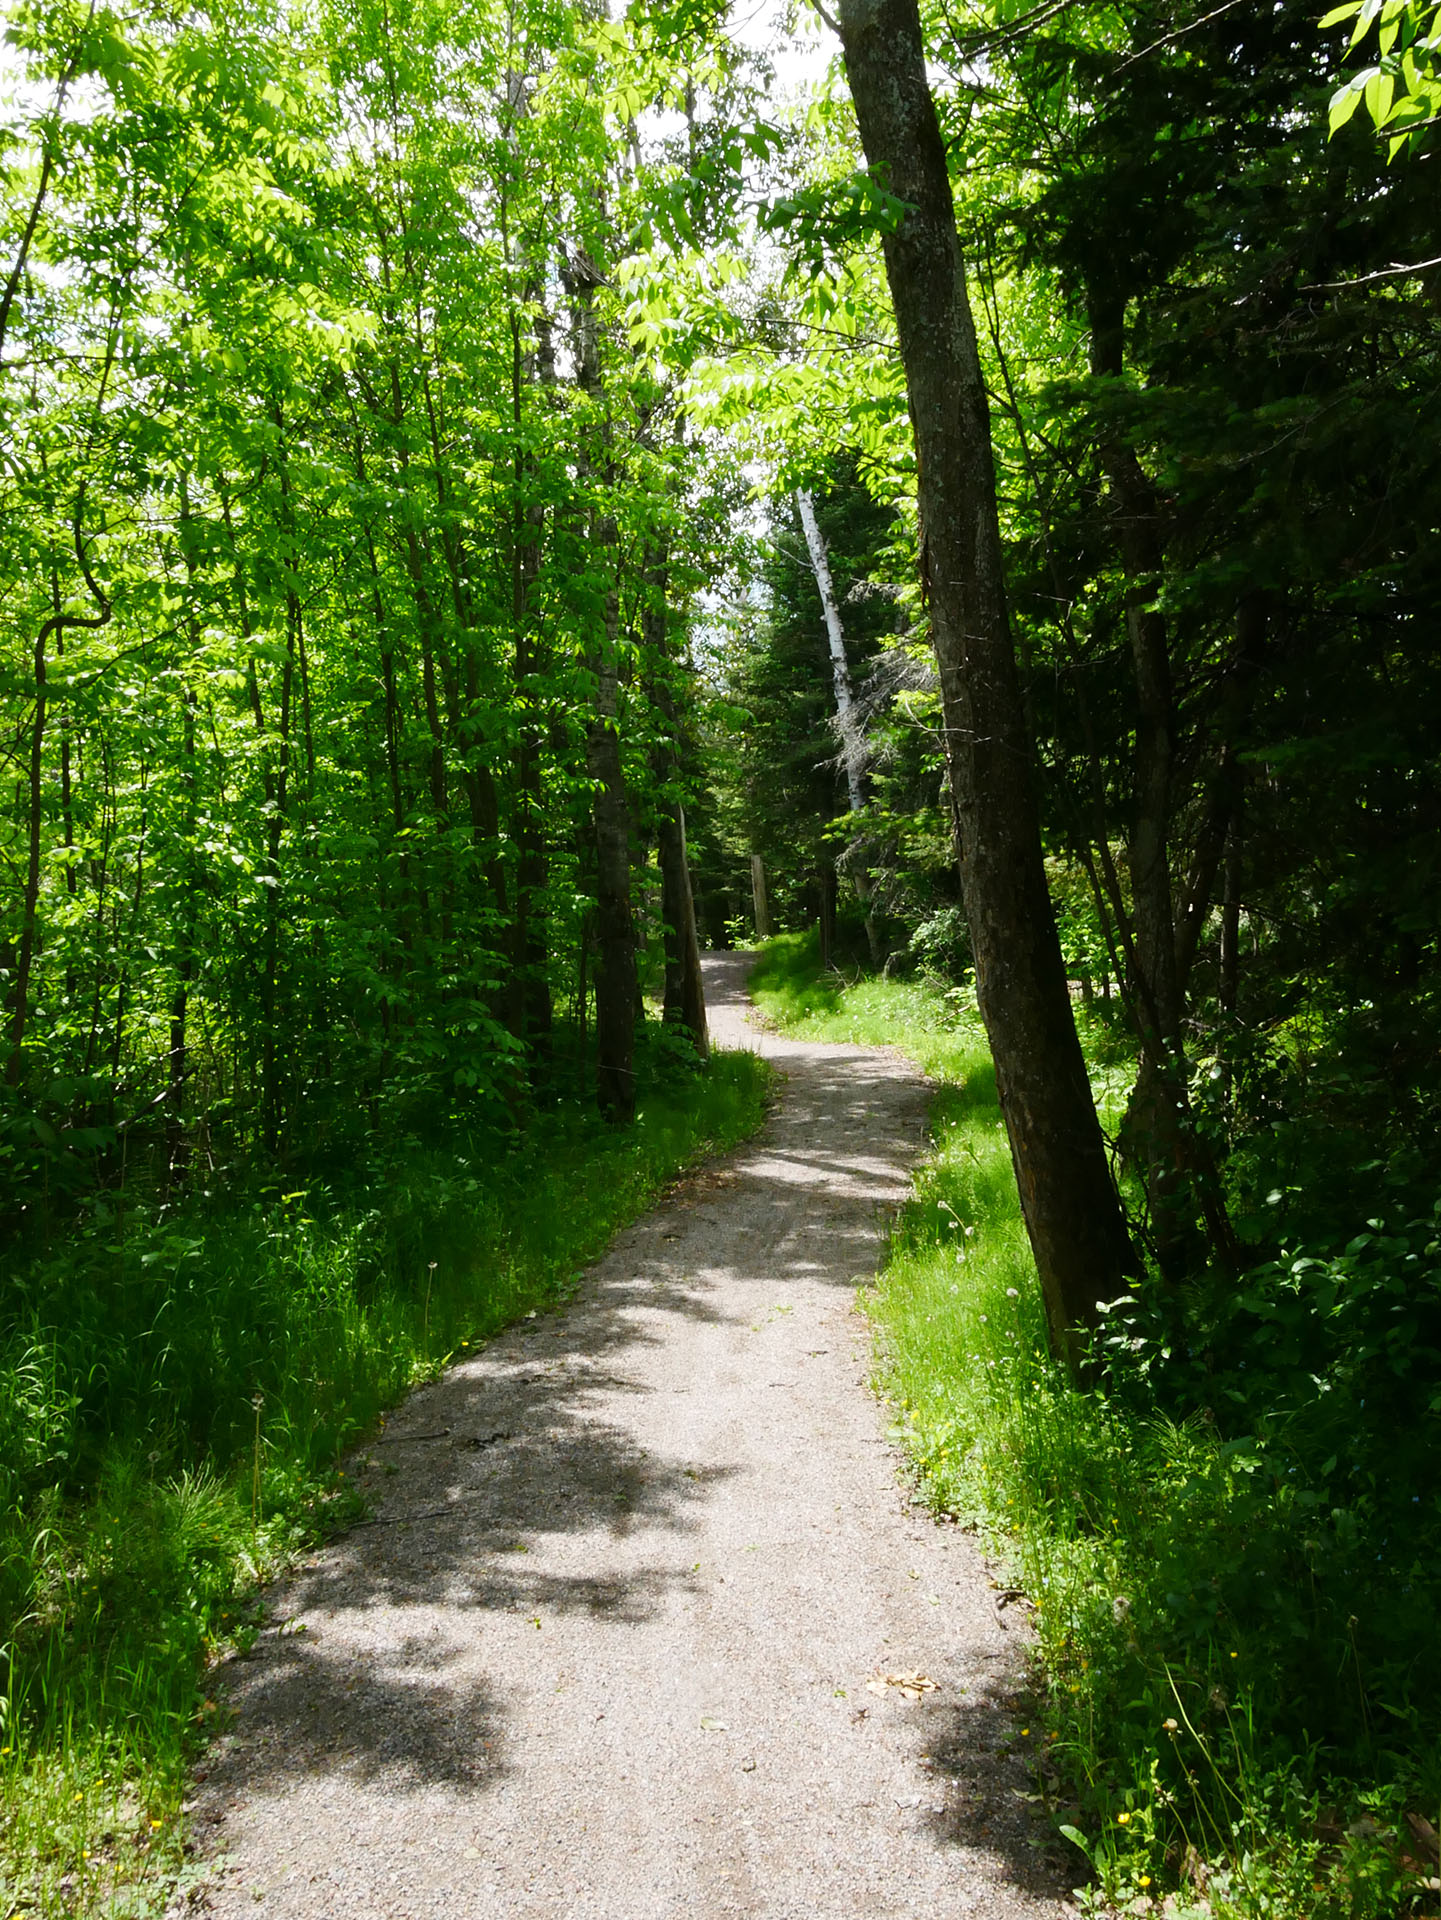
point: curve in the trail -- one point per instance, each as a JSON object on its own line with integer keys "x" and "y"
{"x": 604, "y": 1651}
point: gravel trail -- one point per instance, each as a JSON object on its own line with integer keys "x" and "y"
{"x": 603, "y": 1652}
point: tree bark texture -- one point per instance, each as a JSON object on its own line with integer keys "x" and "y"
{"x": 617, "y": 988}
{"x": 1175, "y": 1164}
{"x": 684, "y": 991}
{"x": 758, "y": 898}
{"x": 531, "y": 1014}
{"x": 1073, "y": 1217}
{"x": 684, "y": 1002}
{"x": 852, "y": 745}
{"x": 615, "y": 969}
{"x": 1155, "y": 1121}
{"x": 826, "y": 884}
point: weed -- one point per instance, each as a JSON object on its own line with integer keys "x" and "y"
{"x": 1237, "y": 1709}
{"x": 175, "y": 1395}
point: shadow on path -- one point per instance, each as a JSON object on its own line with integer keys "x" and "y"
{"x": 669, "y": 1492}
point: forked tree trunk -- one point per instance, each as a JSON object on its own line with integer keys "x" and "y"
{"x": 1077, "y": 1230}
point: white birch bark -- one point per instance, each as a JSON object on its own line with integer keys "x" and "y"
{"x": 853, "y": 751}
{"x": 852, "y": 746}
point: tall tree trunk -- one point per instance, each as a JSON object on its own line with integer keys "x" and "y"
{"x": 29, "y": 913}
{"x": 1160, "y": 1133}
{"x": 1230, "y": 958}
{"x": 616, "y": 983}
{"x": 465, "y": 722}
{"x": 616, "y": 988}
{"x": 531, "y": 1014}
{"x": 187, "y": 917}
{"x": 759, "y": 901}
{"x": 1073, "y": 1216}
{"x": 684, "y": 1002}
{"x": 178, "y": 1063}
{"x": 1155, "y": 1128}
{"x": 827, "y": 925}
{"x": 852, "y": 745}
{"x": 54, "y": 627}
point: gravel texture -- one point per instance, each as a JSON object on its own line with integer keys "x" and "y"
{"x": 604, "y": 1651}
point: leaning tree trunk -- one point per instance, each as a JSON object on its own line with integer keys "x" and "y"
{"x": 1077, "y": 1230}
{"x": 852, "y": 745}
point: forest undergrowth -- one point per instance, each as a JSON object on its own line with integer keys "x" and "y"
{"x": 178, "y": 1384}
{"x": 1228, "y": 1540}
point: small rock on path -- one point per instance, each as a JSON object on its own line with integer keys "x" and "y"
{"x": 604, "y": 1652}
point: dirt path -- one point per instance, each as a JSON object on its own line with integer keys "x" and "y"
{"x": 604, "y": 1653}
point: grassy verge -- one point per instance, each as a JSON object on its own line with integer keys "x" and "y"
{"x": 1237, "y": 1715}
{"x": 176, "y": 1389}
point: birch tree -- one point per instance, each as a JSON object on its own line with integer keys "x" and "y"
{"x": 853, "y": 749}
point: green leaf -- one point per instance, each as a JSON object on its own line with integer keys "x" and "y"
{"x": 1344, "y": 104}
{"x": 1380, "y": 89}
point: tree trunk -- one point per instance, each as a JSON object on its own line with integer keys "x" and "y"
{"x": 29, "y": 925}
{"x": 531, "y": 1013}
{"x": 852, "y": 745}
{"x": 684, "y": 991}
{"x": 617, "y": 987}
{"x": 187, "y": 918}
{"x": 758, "y": 897}
{"x": 20, "y": 990}
{"x": 1230, "y": 959}
{"x": 827, "y": 884}
{"x": 1077, "y": 1231}
{"x": 615, "y": 969}
{"x": 1155, "y": 1119}
{"x": 684, "y": 1002}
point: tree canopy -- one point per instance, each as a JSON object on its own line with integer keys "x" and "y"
{"x": 493, "y": 496}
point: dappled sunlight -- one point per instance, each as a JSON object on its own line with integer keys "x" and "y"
{"x": 634, "y": 1562}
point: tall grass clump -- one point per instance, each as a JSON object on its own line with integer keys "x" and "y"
{"x": 1232, "y": 1564}
{"x": 178, "y": 1381}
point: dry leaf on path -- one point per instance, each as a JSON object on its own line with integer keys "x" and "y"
{"x": 713, "y": 1726}
{"x": 910, "y": 1686}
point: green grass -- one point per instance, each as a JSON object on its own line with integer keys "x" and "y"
{"x": 176, "y": 1390}
{"x": 1209, "y": 1641}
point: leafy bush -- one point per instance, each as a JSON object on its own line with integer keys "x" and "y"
{"x": 1229, "y": 1541}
